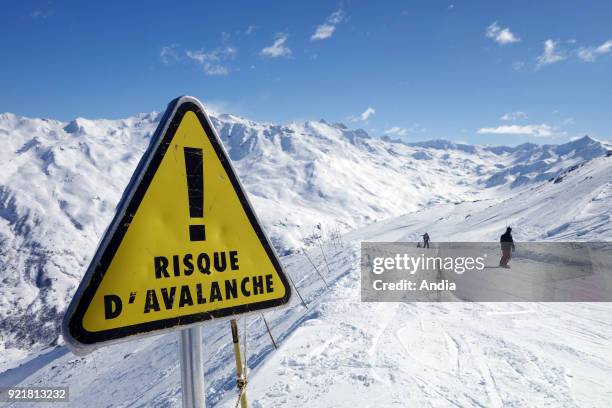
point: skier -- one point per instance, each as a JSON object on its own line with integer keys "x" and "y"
{"x": 426, "y": 240}
{"x": 507, "y": 247}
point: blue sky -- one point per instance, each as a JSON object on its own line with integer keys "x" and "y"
{"x": 482, "y": 72}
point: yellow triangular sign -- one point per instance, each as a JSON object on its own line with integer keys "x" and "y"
{"x": 185, "y": 245}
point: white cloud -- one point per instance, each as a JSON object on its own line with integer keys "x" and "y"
{"x": 250, "y": 29}
{"x": 586, "y": 54}
{"x": 501, "y": 35}
{"x": 550, "y": 55}
{"x": 590, "y": 54}
{"x": 568, "y": 121}
{"x": 336, "y": 17}
{"x": 400, "y": 131}
{"x": 41, "y": 13}
{"x": 326, "y": 30}
{"x": 541, "y": 130}
{"x": 367, "y": 113}
{"x": 396, "y": 131}
{"x": 278, "y": 48}
{"x": 323, "y": 31}
{"x": 513, "y": 116}
{"x": 168, "y": 54}
{"x": 604, "y": 48}
{"x": 364, "y": 115}
{"x": 217, "y": 107}
{"x": 213, "y": 62}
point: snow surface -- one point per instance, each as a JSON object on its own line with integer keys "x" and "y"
{"x": 343, "y": 353}
{"x": 60, "y": 182}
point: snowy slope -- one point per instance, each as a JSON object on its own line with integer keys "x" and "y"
{"x": 60, "y": 182}
{"x": 457, "y": 355}
{"x": 343, "y": 353}
{"x": 573, "y": 206}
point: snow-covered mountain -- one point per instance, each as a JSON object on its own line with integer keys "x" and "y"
{"x": 339, "y": 352}
{"x": 60, "y": 182}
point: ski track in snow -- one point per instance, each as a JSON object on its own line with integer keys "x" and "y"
{"x": 464, "y": 355}
{"x": 343, "y": 353}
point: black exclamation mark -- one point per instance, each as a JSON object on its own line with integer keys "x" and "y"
{"x": 194, "y": 167}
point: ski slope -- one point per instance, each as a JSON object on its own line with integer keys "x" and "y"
{"x": 341, "y": 352}
{"x": 457, "y": 355}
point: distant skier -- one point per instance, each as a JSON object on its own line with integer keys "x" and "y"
{"x": 426, "y": 240}
{"x": 507, "y": 247}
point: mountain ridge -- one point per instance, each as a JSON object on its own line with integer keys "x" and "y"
{"x": 60, "y": 183}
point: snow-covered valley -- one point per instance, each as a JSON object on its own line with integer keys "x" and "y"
{"x": 60, "y": 182}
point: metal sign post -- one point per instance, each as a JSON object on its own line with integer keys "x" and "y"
{"x": 240, "y": 368}
{"x": 192, "y": 372}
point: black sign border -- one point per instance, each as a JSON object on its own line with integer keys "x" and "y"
{"x": 74, "y": 332}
